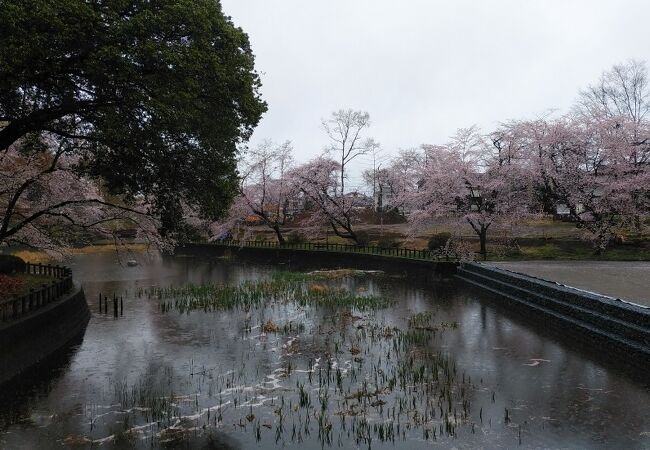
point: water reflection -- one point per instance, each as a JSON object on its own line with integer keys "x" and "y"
{"x": 186, "y": 372}
{"x": 19, "y": 395}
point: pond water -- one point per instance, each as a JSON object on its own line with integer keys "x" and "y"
{"x": 246, "y": 357}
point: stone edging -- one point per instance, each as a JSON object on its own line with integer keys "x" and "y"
{"x": 34, "y": 337}
{"x": 620, "y": 325}
{"x": 296, "y": 257}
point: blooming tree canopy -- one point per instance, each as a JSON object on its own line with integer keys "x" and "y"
{"x": 265, "y": 190}
{"x": 45, "y": 203}
{"x": 318, "y": 181}
{"x": 463, "y": 179}
{"x": 596, "y": 167}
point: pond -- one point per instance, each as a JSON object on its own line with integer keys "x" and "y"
{"x": 231, "y": 355}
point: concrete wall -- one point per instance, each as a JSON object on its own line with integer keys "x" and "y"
{"x": 620, "y": 326}
{"x": 309, "y": 259}
{"x": 33, "y": 338}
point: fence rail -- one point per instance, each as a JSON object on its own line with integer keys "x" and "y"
{"x": 50, "y": 291}
{"x": 395, "y": 252}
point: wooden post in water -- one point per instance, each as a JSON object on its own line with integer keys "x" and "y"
{"x": 105, "y": 305}
{"x": 121, "y": 306}
{"x": 114, "y": 306}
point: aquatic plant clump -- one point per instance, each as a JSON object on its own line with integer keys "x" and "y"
{"x": 346, "y": 380}
{"x": 342, "y": 379}
{"x": 317, "y": 289}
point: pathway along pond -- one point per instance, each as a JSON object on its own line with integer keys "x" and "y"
{"x": 222, "y": 354}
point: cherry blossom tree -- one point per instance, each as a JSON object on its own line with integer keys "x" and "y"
{"x": 46, "y": 204}
{"x": 403, "y": 174}
{"x": 512, "y": 141}
{"x": 265, "y": 190}
{"x": 595, "y": 166}
{"x": 474, "y": 185}
{"x": 322, "y": 181}
{"x": 622, "y": 94}
{"x": 468, "y": 143}
{"x": 319, "y": 182}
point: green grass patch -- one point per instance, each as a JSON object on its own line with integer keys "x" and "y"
{"x": 576, "y": 251}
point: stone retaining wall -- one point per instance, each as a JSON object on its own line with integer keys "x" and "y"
{"x": 310, "y": 259}
{"x": 32, "y": 338}
{"x": 620, "y": 326}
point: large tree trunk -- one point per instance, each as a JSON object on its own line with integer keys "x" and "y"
{"x": 481, "y": 230}
{"x": 278, "y": 233}
{"x": 483, "y": 239}
{"x": 347, "y": 234}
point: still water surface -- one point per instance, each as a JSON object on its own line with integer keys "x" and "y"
{"x": 441, "y": 366}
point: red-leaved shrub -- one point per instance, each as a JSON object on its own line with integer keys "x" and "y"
{"x": 9, "y": 285}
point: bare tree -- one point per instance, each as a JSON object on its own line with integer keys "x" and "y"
{"x": 621, "y": 91}
{"x": 345, "y": 129}
{"x": 371, "y": 175}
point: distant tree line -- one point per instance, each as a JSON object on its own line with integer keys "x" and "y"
{"x": 593, "y": 163}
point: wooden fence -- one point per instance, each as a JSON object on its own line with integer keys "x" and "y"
{"x": 57, "y": 281}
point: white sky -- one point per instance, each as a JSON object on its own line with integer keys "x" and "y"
{"x": 423, "y": 68}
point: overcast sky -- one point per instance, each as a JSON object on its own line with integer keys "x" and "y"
{"x": 423, "y": 68}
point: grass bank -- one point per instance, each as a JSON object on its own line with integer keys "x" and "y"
{"x": 541, "y": 238}
{"x": 37, "y": 256}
